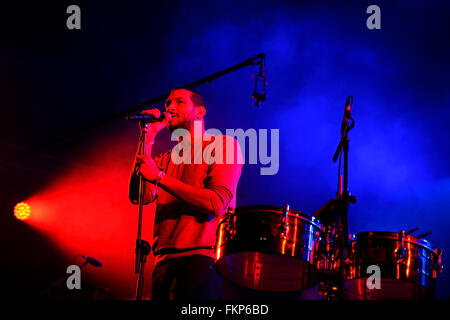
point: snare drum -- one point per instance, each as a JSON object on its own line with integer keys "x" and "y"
{"x": 270, "y": 248}
{"x": 408, "y": 267}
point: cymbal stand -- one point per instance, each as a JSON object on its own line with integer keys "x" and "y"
{"x": 343, "y": 194}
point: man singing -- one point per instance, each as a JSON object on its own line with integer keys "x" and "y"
{"x": 191, "y": 195}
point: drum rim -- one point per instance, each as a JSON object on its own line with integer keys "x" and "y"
{"x": 393, "y": 236}
{"x": 279, "y": 210}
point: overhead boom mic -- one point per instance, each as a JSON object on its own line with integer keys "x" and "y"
{"x": 260, "y": 96}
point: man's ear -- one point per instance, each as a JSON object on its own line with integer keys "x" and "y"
{"x": 200, "y": 112}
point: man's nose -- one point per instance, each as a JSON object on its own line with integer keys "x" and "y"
{"x": 170, "y": 108}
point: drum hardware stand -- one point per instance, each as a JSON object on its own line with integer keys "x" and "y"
{"x": 343, "y": 194}
{"x": 400, "y": 254}
{"x": 143, "y": 248}
{"x": 284, "y": 223}
{"x": 232, "y": 224}
{"x": 424, "y": 235}
{"x": 411, "y": 231}
{"x": 439, "y": 268}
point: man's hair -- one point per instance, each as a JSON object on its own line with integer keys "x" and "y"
{"x": 196, "y": 98}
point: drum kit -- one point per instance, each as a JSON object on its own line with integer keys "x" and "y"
{"x": 278, "y": 249}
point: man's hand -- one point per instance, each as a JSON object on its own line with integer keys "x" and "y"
{"x": 155, "y": 127}
{"x": 147, "y": 167}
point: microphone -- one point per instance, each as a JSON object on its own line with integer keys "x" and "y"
{"x": 260, "y": 97}
{"x": 347, "y": 114}
{"x": 147, "y": 117}
{"x": 92, "y": 261}
{"x": 348, "y": 106}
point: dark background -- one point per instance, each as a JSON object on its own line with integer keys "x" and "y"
{"x": 56, "y": 82}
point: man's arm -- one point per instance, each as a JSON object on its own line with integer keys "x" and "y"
{"x": 203, "y": 199}
{"x": 213, "y": 198}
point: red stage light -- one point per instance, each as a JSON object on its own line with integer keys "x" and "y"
{"x": 22, "y": 211}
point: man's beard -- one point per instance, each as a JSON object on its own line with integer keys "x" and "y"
{"x": 178, "y": 125}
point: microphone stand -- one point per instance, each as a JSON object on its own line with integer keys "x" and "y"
{"x": 143, "y": 248}
{"x": 343, "y": 194}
